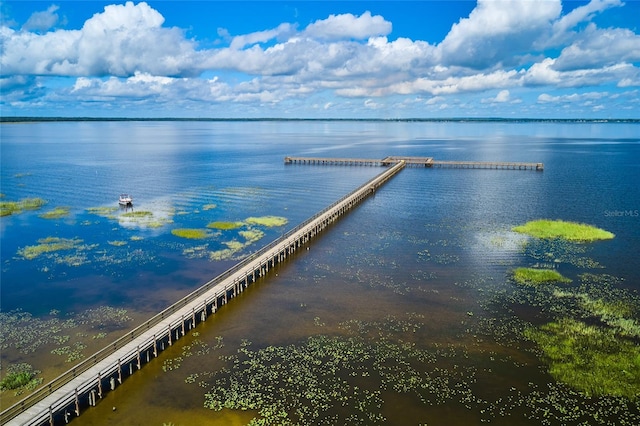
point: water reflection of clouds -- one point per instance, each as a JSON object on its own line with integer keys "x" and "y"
{"x": 150, "y": 215}
{"x": 496, "y": 246}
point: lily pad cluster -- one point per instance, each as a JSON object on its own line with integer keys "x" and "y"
{"x": 352, "y": 378}
{"x": 330, "y": 380}
{"x": 25, "y": 333}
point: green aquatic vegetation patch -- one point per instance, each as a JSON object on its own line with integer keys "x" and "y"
{"x": 572, "y": 231}
{"x": 225, "y": 226}
{"x": 141, "y": 213}
{"x": 592, "y": 359}
{"x": 190, "y": 233}
{"x": 8, "y": 208}
{"x": 251, "y": 235}
{"x": 14, "y": 207}
{"x": 57, "y": 213}
{"x": 48, "y": 245}
{"x": 117, "y": 243}
{"x": 233, "y": 247}
{"x": 613, "y": 308}
{"x": 145, "y": 218}
{"x": 268, "y": 221}
{"x": 104, "y": 211}
{"x": 222, "y": 254}
{"x": 20, "y": 377}
{"x": 141, "y": 218}
{"x": 534, "y": 276}
{"x": 31, "y": 203}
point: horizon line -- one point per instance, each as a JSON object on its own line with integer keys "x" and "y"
{"x": 17, "y": 119}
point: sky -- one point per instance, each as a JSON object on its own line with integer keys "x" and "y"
{"x": 321, "y": 59}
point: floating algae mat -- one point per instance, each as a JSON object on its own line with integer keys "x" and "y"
{"x": 533, "y": 276}
{"x": 190, "y": 233}
{"x": 268, "y": 221}
{"x": 48, "y": 245}
{"x": 225, "y": 226}
{"x": 247, "y": 231}
{"x": 57, "y": 213}
{"x": 14, "y": 207}
{"x": 590, "y": 358}
{"x": 571, "y": 231}
{"x": 138, "y": 218}
{"x": 146, "y": 219}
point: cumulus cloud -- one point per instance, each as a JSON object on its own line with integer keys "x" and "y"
{"x": 501, "y": 97}
{"x": 563, "y": 26}
{"x": 146, "y": 86}
{"x": 597, "y": 48}
{"x": 122, "y": 40}
{"x": 127, "y": 52}
{"x": 348, "y": 26}
{"x": 241, "y": 41}
{"x": 572, "y": 98}
{"x": 495, "y": 31}
{"x": 42, "y": 21}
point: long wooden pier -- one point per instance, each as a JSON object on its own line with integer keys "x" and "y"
{"x": 64, "y": 398}
{"x": 417, "y": 161}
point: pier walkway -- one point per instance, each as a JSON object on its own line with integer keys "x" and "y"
{"x": 62, "y": 399}
{"x": 66, "y": 396}
{"x": 417, "y": 161}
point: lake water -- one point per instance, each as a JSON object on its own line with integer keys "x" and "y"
{"x": 402, "y": 313}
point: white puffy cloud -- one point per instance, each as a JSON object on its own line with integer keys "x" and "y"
{"x": 42, "y": 21}
{"x": 597, "y": 48}
{"x": 126, "y": 52}
{"x": 145, "y": 86}
{"x": 562, "y": 28}
{"x": 446, "y": 86}
{"x": 572, "y": 98}
{"x": 122, "y": 40}
{"x": 502, "y": 97}
{"x": 546, "y": 74}
{"x": 241, "y": 41}
{"x": 348, "y": 26}
{"x": 496, "y": 30}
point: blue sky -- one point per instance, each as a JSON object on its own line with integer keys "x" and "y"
{"x": 321, "y": 59}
